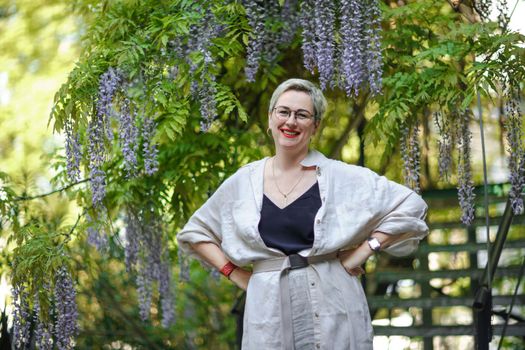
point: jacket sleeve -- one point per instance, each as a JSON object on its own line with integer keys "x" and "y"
{"x": 204, "y": 225}
{"x": 400, "y": 211}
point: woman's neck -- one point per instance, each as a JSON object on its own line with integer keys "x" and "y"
{"x": 287, "y": 160}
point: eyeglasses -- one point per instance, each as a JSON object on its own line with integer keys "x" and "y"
{"x": 301, "y": 115}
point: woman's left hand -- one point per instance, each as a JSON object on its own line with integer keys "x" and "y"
{"x": 353, "y": 259}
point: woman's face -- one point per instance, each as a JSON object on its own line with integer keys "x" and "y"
{"x": 295, "y": 131}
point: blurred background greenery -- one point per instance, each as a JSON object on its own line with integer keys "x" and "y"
{"x": 41, "y": 42}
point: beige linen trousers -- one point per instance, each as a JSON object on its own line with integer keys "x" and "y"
{"x": 329, "y": 306}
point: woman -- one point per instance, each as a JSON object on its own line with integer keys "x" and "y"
{"x": 306, "y": 223}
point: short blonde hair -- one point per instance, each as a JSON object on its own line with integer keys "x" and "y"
{"x": 318, "y": 99}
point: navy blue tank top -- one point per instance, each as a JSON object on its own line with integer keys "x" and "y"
{"x": 290, "y": 229}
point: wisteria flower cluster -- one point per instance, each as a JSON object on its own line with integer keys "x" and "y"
{"x": 73, "y": 152}
{"x": 410, "y": 152}
{"x": 66, "y": 314}
{"x": 324, "y": 13}
{"x": 128, "y": 137}
{"x": 97, "y": 236}
{"x": 43, "y": 330}
{"x": 21, "y": 316}
{"x": 100, "y": 135}
{"x": 60, "y": 333}
{"x": 99, "y": 131}
{"x": 466, "y": 193}
{"x": 265, "y": 42}
{"x": 307, "y": 21}
{"x": 149, "y": 147}
{"x": 445, "y": 145}
{"x": 256, "y": 17}
{"x": 148, "y": 257}
{"x": 360, "y": 61}
{"x": 516, "y": 148}
{"x": 205, "y": 31}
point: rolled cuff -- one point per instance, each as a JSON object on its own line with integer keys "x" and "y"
{"x": 413, "y": 232}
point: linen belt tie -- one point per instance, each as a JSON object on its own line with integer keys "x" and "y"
{"x": 285, "y": 264}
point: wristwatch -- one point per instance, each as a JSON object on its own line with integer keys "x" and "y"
{"x": 374, "y": 244}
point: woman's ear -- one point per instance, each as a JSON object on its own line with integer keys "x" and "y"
{"x": 317, "y": 122}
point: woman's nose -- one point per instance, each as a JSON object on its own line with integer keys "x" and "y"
{"x": 292, "y": 119}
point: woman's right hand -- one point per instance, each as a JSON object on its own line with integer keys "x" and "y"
{"x": 240, "y": 277}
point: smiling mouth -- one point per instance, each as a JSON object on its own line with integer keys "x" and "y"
{"x": 289, "y": 133}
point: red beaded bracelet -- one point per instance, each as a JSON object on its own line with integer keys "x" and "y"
{"x": 228, "y": 269}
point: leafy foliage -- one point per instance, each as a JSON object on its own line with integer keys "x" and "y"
{"x": 433, "y": 62}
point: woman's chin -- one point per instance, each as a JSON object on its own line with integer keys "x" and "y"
{"x": 292, "y": 144}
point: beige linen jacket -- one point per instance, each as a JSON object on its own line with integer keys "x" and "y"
{"x": 355, "y": 203}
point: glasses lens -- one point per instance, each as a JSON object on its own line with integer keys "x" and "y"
{"x": 300, "y": 115}
{"x": 303, "y": 116}
{"x": 283, "y": 113}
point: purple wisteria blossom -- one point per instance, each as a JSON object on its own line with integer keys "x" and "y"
{"x": 255, "y": 13}
{"x": 96, "y": 150}
{"x": 466, "y": 194}
{"x": 444, "y": 145}
{"x": 201, "y": 42}
{"x": 21, "y": 317}
{"x": 516, "y": 149}
{"x": 289, "y": 16}
{"x": 208, "y": 108}
{"x": 43, "y": 338}
{"x": 109, "y": 84}
{"x": 99, "y": 131}
{"x": 325, "y": 42}
{"x": 149, "y": 147}
{"x": 352, "y": 62}
{"x": 410, "y": 152}
{"x": 147, "y": 255}
{"x": 128, "y": 137}
{"x": 307, "y": 18}
{"x": 97, "y": 236}
{"x": 272, "y": 25}
{"x": 148, "y": 269}
{"x": 144, "y": 294}
{"x": 66, "y": 314}
{"x": 273, "y": 12}
{"x": 184, "y": 273}
{"x": 205, "y": 31}
{"x": 73, "y": 152}
{"x": 131, "y": 248}
{"x": 372, "y": 38}
{"x": 166, "y": 293}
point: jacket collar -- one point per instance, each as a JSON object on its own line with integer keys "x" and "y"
{"x": 313, "y": 158}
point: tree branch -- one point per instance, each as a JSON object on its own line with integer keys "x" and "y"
{"x": 466, "y": 8}
{"x": 28, "y": 198}
{"x": 357, "y": 110}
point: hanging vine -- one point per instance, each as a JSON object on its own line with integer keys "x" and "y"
{"x": 410, "y": 153}
{"x": 466, "y": 194}
{"x": 445, "y": 145}
{"x": 516, "y": 148}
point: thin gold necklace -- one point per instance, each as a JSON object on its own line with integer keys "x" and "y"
{"x": 285, "y": 195}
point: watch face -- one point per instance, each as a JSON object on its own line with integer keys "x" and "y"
{"x": 374, "y": 244}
